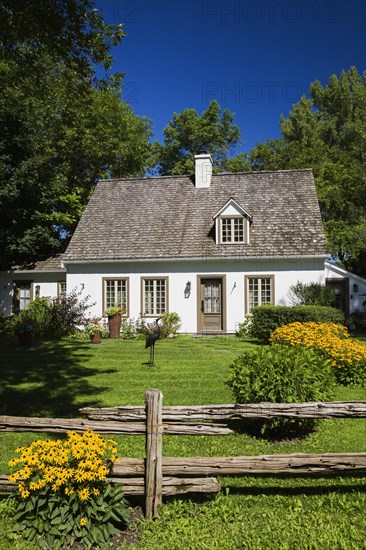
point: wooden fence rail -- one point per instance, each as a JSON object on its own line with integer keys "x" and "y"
{"x": 156, "y": 476}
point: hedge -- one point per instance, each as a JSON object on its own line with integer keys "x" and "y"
{"x": 265, "y": 319}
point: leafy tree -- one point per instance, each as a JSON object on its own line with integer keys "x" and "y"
{"x": 327, "y": 133}
{"x": 61, "y": 128}
{"x": 188, "y": 133}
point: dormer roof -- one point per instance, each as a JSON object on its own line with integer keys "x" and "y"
{"x": 231, "y": 207}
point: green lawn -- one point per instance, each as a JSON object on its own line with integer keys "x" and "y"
{"x": 55, "y": 379}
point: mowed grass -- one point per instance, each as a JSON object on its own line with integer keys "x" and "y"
{"x": 321, "y": 512}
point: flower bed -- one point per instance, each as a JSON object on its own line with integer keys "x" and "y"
{"x": 333, "y": 341}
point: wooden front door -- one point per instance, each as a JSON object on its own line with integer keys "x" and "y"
{"x": 211, "y": 318}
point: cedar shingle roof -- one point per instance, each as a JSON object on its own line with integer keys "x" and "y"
{"x": 167, "y": 217}
{"x": 54, "y": 263}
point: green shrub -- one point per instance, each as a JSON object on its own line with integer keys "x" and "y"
{"x": 169, "y": 325}
{"x": 265, "y": 319}
{"x": 311, "y": 294}
{"x": 358, "y": 319}
{"x": 35, "y": 319}
{"x": 280, "y": 374}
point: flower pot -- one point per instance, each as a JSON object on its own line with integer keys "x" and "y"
{"x": 95, "y": 338}
{"x": 114, "y": 324}
{"x": 25, "y": 338}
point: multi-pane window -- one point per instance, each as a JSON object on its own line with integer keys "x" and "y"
{"x": 24, "y": 296}
{"x": 232, "y": 230}
{"x": 61, "y": 288}
{"x": 154, "y": 296}
{"x": 115, "y": 293}
{"x": 212, "y": 297}
{"x": 259, "y": 291}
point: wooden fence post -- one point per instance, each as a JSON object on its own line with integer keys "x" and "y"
{"x": 153, "y": 466}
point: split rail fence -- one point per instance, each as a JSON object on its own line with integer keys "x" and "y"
{"x": 156, "y": 476}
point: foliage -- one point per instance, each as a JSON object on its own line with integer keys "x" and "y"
{"x": 63, "y": 493}
{"x": 169, "y": 324}
{"x": 326, "y": 133}
{"x": 267, "y": 318}
{"x": 333, "y": 342}
{"x": 188, "y": 133}
{"x": 279, "y": 374}
{"x": 311, "y": 294}
{"x": 51, "y": 318}
{"x": 35, "y": 319}
{"x": 92, "y": 326}
{"x": 68, "y": 313}
{"x": 115, "y": 310}
{"x": 61, "y": 127}
{"x": 244, "y": 327}
{"x": 358, "y": 318}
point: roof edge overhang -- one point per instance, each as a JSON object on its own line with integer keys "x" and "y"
{"x": 19, "y": 271}
{"x": 320, "y": 257}
{"x": 344, "y": 272}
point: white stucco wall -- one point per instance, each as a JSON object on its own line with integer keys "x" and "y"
{"x": 46, "y": 280}
{"x": 286, "y": 273}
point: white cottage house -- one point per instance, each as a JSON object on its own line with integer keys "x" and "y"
{"x": 210, "y": 247}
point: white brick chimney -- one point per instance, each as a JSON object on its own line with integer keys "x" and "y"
{"x": 203, "y": 170}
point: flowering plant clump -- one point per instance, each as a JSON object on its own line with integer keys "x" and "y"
{"x": 92, "y": 326}
{"x": 63, "y": 495}
{"x": 332, "y": 341}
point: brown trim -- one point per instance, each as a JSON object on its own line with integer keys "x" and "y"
{"x": 246, "y": 289}
{"x": 15, "y": 298}
{"x": 59, "y": 283}
{"x": 222, "y": 277}
{"x": 127, "y": 279}
{"x": 142, "y": 294}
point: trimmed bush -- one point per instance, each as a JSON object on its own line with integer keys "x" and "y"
{"x": 333, "y": 342}
{"x": 281, "y": 374}
{"x": 266, "y": 319}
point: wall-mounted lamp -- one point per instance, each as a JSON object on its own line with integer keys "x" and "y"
{"x": 82, "y": 286}
{"x": 38, "y": 290}
{"x": 355, "y": 288}
{"x": 187, "y": 290}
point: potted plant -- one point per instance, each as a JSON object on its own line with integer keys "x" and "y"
{"x": 25, "y": 328}
{"x": 114, "y": 314}
{"x": 94, "y": 330}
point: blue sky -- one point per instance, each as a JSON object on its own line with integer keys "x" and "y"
{"x": 255, "y": 58}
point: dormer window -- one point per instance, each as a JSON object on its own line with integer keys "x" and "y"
{"x": 232, "y": 230}
{"x": 232, "y": 224}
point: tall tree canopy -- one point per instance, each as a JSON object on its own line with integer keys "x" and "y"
{"x": 61, "y": 127}
{"x": 327, "y": 133}
{"x": 188, "y": 133}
